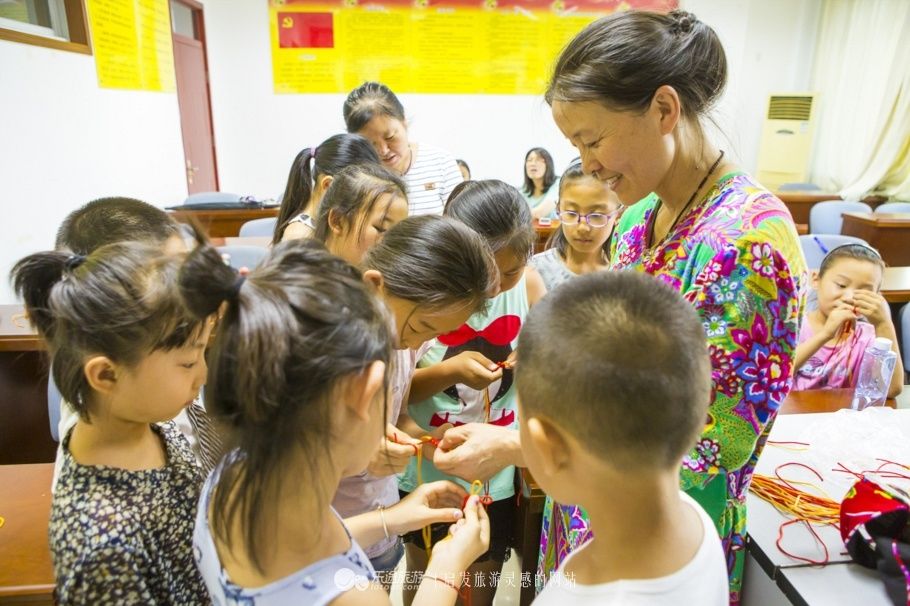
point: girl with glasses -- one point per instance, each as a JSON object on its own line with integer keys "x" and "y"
{"x": 587, "y": 211}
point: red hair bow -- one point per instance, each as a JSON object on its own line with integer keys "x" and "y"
{"x": 502, "y": 331}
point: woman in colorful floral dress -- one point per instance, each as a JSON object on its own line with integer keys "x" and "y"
{"x": 630, "y": 92}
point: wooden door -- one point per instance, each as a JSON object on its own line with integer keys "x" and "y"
{"x": 193, "y": 96}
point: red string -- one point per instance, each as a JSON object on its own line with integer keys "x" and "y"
{"x": 780, "y": 537}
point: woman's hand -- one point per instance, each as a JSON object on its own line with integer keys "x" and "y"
{"x": 873, "y": 306}
{"x": 430, "y": 503}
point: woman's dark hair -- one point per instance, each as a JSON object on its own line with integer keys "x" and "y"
{"x": 549, "y": 176}
{"x": 461, "y": 163}
{"x": 121, "y": 302}
{"x": 436, "y": 263}
{"x": 558, "y": 239}
{"x": 497, "y": 212}
{"x": 621, "y": 60}
{"x": 861, "y": 252}
{"x": 299, "y": 323}
{"x": 330, "y": 158}
{"x": 367, "y": 101}
{"x": 353, "y": 194}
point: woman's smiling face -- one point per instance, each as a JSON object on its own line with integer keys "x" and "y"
{"x": 625, "y": 150}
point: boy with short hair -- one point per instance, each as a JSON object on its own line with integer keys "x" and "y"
{"x": 117, "y": 219}
{"x": 609, "y": 433}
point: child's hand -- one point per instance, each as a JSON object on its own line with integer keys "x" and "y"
{"x": 840, "y": 316}
{"x": 392, "y": 457}
{"x": 430, "y": 447}
{"x": 429, "y": 504}
{"x": 468, "y": 539}
{"x": 873, "y": 306}
{"x": 474, "y": 369}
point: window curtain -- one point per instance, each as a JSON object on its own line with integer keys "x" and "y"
{"x": 862, "y": 74}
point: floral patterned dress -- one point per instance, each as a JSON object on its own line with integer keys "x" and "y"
{"x": 736, "y": 257}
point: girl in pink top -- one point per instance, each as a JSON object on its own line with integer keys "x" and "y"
{"x": 850, "y": 315}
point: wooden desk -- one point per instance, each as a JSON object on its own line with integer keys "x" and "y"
{"x": 24, "y": 427}
{"x": 896, "y": 285}
{"x": 26, "y": 572}
{"x": 223, "y": 223}
{"x": 800, "y": 203}
{"x": 888, "y": 232}
{"x": 543, "y": 234}
{"x": 820, "y": 400}
{"x": 528, "y": 523}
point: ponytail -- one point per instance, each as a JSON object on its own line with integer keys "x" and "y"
{"x": 299, "y": 322}
{"x": 120, "y": 302}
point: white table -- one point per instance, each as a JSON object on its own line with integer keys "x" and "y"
{"x": 772, "y": 578}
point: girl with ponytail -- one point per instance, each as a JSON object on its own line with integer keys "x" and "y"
{"x": 127, "y": 356}
{"x": 299, "y": 376}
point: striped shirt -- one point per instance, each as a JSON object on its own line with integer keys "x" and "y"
{"x": 432, "y": 177}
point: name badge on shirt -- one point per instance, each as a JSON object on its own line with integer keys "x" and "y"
{"x": 429, "y": 186}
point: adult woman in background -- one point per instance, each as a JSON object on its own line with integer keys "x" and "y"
{"x": 373, "y": 110}
{"x": 541, "y": 185}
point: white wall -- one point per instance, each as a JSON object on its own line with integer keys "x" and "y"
{"x": 65, "y": 141}
{"x": 258, "y": 132}
{"x": 769, "y": 45}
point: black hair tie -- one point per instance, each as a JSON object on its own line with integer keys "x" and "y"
{"x": 74, "y": 261}
{"x": 235, "y": 288}
{"x": 683, "y": 22}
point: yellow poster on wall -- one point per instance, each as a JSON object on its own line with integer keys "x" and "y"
{"x": 131, "y": 41}
{"x": 427, "y": 46}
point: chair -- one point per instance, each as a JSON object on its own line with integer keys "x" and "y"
{"x": 905, "y": 337}
{"x": 240, "y": 255}
{"x": 258, "y": 228}
{"x": 211, "y": 197}
{"x": 816, "y": 246}
{"x": 799, "y": 187}
{"x": 826, "y": 217}
{"x": 54, "y": 402}
{"x": 894, "y": 207}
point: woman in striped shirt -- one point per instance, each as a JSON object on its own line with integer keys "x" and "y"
{"x": 373, "y": 111}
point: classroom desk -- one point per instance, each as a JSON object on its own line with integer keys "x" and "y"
{"x": 771, "y": 576}
{"x": 24, "y": 430}
{"x": 527, "y": 530}
{"x": 800, "y": 203}
{"x": 896, "y": 285}
{"x": 26, "y": 572}
{"x": 887, "y": 232}
{"x": 543, "y": 234}
{"x": 223, "y": 223}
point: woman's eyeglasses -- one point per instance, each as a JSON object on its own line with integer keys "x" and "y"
{"x": 570, "y": 217}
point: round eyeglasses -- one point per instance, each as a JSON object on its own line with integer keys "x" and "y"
{"x": 570, "y": 217}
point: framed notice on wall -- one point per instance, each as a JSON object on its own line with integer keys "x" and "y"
{"x": 428, "y": 46}
{"x": 132, "y": 44}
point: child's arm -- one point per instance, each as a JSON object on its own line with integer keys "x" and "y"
{"x": 544, "y": 209}
{"x": 832, "y": 327}
{"x": 469, "y": 368}
{"x": 431, "y": 503}
{"x": 535, "y": 285}
{"x": 875, "y": 308}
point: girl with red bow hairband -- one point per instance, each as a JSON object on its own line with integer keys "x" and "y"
{"x": 466, "y": 375}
